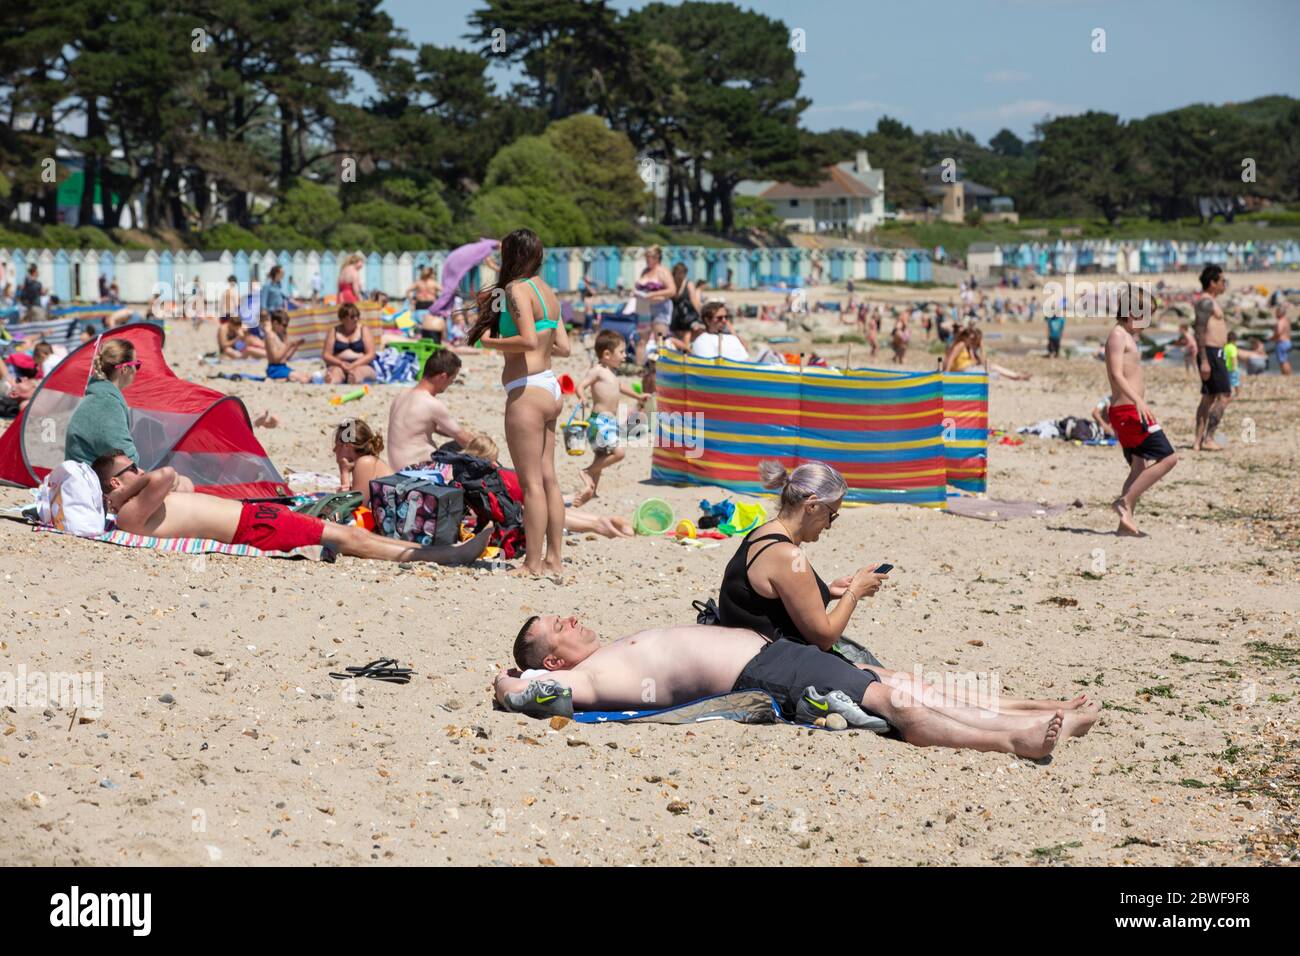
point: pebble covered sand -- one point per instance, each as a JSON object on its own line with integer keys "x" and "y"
{"x": 223, "y": 740}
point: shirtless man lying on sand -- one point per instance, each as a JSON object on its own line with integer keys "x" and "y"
{"x": 145, "y": 503}
{"x": 687, "y": 662}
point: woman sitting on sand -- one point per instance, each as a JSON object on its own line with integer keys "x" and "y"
{"x": 349, "y": 349}
{"x": 357, "y": 447}
{"x": 102, "y": 420}
{"x": 966, "y": 354}
{"x": 769, "y": 586}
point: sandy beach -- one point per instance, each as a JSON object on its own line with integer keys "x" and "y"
{"x": 259, "y": 757}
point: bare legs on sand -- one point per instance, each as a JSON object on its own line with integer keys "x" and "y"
{"x": 1208, "y": 415}
{"x": 531, "y": 417}
{"x": 1142, "y": 475}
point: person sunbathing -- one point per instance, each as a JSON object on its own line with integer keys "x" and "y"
{"x": 667, "y": 666}
{"x": 145, "y": 503}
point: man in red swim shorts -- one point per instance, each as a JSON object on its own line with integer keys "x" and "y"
{"x": 1145, "y": 445}
{"x": 144, "y": 503}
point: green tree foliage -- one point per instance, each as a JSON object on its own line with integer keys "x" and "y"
{"x": 555, "y": 217}
{"x": 232, "y": 119}
{"x": 1085, "y": 163}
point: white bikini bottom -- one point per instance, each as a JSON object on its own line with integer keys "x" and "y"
{"x": 546, "y": 380}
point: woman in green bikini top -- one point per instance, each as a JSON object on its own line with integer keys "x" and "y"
{"x": 532, "y": 391}
{"x": 507, "y": 325}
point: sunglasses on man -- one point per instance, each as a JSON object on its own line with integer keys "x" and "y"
{"x": 133, "y": 468}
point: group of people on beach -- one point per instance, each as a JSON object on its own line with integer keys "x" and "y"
{"x": 774, "y": 628}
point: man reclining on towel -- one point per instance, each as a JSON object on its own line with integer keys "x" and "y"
{"x": 664, "y": 667}
{"x": 145, "y": 503}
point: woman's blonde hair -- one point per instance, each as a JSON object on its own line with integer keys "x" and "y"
{"x": 111, "y": 354}
{"x": 813, "y": 480}
{"x": 355, "y": 432}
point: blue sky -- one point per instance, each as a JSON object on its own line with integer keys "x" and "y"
{"x": 985, "y": 64}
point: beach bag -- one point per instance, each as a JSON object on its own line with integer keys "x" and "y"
{"x": 70, "y": 499}
{"x": 338, "y": 507}
{"x": 417, "y": 509}
{"x": 488, "y": 499}
{"x": 1078, "y": 429}
{"x": 706, "y": 612}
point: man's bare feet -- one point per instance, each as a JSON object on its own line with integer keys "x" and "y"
{"x": 1210, "y": 445}
{"x": 1079, "y": 721}
{"x": 1037, "y": 743}
{"x": 1126, "y": 526}
{"x": 588, "y": 490}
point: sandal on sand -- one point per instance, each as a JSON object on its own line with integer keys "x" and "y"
{"x": 383, "y": 669}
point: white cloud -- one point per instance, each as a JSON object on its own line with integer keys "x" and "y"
{"x": 856, "y": 106}
{"x": 1022, "y": 109}
{"x": 1006, "y": 76}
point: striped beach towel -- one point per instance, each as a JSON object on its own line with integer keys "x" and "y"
{"x": 193, "y": 545}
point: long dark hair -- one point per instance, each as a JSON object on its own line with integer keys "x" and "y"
{"x": 521, "y": 258}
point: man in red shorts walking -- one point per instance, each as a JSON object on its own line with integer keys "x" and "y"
{"x": 1145, "y": 445}
{"x": 145, "y": 504}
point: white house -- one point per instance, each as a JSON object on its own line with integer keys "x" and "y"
{"x": 850, "y": 197}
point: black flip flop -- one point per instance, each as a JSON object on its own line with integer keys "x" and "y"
{"x": 383, "y": 669}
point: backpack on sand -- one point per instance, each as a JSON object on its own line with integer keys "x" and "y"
{"x": 488, "y": 498}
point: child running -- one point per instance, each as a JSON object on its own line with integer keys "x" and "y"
{"x": 1145, "y": 445}
{"x": 518, "y": 316}
{"x": 603, "y": 431}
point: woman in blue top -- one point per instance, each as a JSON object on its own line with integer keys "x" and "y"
{"x": 517, "y": 316}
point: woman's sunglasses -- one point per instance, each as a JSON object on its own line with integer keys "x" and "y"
{"x": 134, "y": 363}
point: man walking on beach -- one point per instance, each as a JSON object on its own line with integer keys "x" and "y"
{"x": 1282, "y": 340}
{"x": 1211, "y": 337}
{"x": 1146, "y": 447}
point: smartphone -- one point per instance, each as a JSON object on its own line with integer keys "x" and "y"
{"x": 883, "y": 569}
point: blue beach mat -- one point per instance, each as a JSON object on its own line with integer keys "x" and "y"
{"x": 742, "y": 706}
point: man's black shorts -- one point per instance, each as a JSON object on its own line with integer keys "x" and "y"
{"x": 784, "y": 668}
{"x": 1218, "y": 383}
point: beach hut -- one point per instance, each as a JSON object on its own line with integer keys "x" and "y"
{"x": 389, "y": 280}
{"x": 88, "y": 282}
{"x": 61, "y": 267}
{"x": 873, "y": 265}
{"x": 912, "y": 267}
{"x": 887, "y": 273}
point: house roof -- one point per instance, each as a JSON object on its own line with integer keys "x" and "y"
{"x": 835, "y": 184}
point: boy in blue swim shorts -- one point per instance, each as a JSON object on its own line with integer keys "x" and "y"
{"x": 604, "y": 433}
